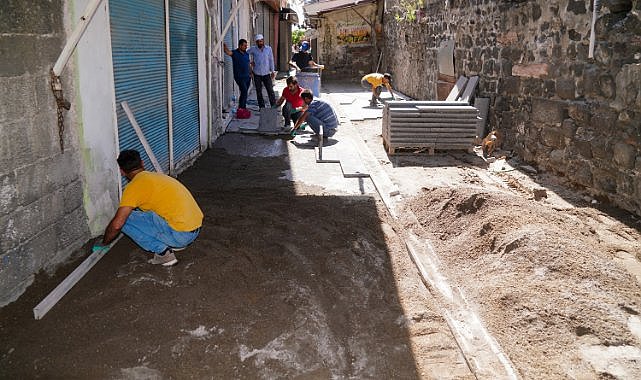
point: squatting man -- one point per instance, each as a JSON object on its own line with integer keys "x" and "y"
{"x": 156, "y": 211}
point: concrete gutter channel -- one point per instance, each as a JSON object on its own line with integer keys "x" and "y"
{"x": 481, "y": 351}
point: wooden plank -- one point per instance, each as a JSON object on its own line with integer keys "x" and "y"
{"x": 50, "y": 300}
{"x": 141, "y": 136}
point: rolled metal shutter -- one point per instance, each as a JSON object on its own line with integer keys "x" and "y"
{"x": 184, "y": 78}
{"x": 140, "y": 74}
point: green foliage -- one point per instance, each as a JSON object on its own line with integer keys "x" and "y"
{"x": 298, "y": 35}
{"x": 408, "y": 10}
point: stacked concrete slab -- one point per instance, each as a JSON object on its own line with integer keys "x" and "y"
{"x": 427, "y": 124}
{"x": 448, "y": 124}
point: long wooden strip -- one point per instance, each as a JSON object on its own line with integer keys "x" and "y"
{"x": 50, "y": 300}
{"x": 141, "y": 136}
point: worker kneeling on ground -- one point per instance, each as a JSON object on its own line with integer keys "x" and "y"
{"x": 375, "y": 83}
{"x": 294, "y": 104}
{"x": 156, "y": 211}
{"x": 319, "y": 114}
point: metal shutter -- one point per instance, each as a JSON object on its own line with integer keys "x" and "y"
{"x": 140, "y": 74}
{"x": 184, "y": 78}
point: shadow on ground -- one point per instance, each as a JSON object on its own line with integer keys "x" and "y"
{"x": 281, "y": 283}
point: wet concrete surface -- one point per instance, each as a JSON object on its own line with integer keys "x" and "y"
{"x": 298, "y": 273}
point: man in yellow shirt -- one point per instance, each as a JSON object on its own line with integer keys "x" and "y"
{"x": 156, "y": 211}
{"x": 375, "y": 82}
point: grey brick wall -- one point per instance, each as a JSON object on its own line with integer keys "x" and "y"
{"x": 42, "y": 218}
{"x": 560, "y": 109}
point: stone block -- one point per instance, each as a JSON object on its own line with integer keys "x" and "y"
{"x": 26, "y": 222}
{"x": 568, "y": 128}
{"x": 618, "y": 6}
{"x": 31, "y": 183}
{"x": 604, "y": 119}
{"x": 16, "y": 274}
{"x": 574, "y": 35}
{"x": 15, "y": 149}
{"x": 17, "y": 100}
{"x": 512, "y": 53}
{"x": 580, "y": 172}
{"x": 565, "y": 88}
{"x": 579, "y": 112}
{"x": 583, "y": 148}
{"x": 510, "y": 85}
{"x": 548, "y": 111}
{"x": 590, "y": 82}
{"x": 507, "y": 38}
{"x": 607, "y": 86}
{"x": 625, "y": 155}
{"x": 8, "y": 193}
{"x": 31, "y": 16}
{"x": 534, "y": 70}
{"x": 72, "y": 230}
{"x": 604, "y": 180}
{"x": 73, "y": 196}
{"x": 19, "y": 55}
{"x": 628, "y": 82}
{"x": 602, "y": 149}
{"x": 558, "y": 159}
{"x": 552, "y": 137}
{"x": 576, "y": 7}
{"x": 532, "y": 87}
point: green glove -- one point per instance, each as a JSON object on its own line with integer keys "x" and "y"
{"x": 98, "y": 247}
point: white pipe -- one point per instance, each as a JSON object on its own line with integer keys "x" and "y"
{"x": 595, "y": 10}
{"x": 229, "y": 21}
{"x": 170, "y": 113}
{"x": 70, "y": 46}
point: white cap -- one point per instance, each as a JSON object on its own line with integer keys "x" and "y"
{"x": 259, "y": 37}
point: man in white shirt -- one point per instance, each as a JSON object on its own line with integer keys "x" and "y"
{"x": 262, "y": 64}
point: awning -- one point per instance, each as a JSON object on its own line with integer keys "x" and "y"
{"x": 324, "y": 6}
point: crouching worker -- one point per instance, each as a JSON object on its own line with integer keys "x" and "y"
{"x": 375, "y": 83}
{"x": 293, "y": 107}
{"x": 319, "y": 114}
{"x": 156, "y": 211}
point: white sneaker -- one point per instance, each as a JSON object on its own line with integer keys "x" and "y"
{"x": 166, "y": 260}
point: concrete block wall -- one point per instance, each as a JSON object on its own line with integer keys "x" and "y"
{"x": 558, "y": 108}
{"x": 42, "y": 219}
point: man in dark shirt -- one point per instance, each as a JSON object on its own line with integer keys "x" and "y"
{"x": 303, "y": 60}
{"x": 240, "y": 59}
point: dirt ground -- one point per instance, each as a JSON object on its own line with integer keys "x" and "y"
{"x": 295, "y": 278}
{"x": 554, "y": 274}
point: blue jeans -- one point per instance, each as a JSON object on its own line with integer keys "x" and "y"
{"x": 243, "y": 85}
{"x": 152, "y": 233}
{"x": 316, "y": 123}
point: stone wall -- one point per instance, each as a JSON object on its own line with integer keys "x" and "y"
{"x": 347, "y": 44}
{"x": 42, "y": 219}
{"x": 576, "y": 115}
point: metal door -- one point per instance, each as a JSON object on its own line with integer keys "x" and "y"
{"x": 140, "y": 74}
{"x": 183, "y": 56}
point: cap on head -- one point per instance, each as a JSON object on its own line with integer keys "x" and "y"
{"x": 304, "y": 46}
{"x": 259, "y": 37}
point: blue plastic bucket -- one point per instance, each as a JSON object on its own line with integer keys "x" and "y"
{"x": 309, "y": 81}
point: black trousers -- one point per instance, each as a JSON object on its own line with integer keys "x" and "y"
{"x": 266, "y": 80}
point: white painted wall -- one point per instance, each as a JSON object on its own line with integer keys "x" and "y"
{"x": 96, "y": 115}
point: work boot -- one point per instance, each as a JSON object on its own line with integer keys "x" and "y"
{"x": 165, "y": 259}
